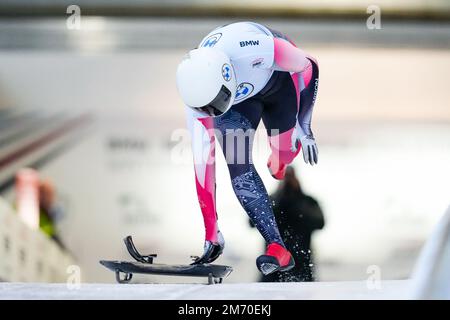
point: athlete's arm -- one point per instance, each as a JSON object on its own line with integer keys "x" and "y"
{"x": 202, "y": 137}
{"x": 288, "y": 57}
{"x": 308, "y": 93}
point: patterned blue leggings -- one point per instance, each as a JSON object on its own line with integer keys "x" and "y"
{"x": 276, "y": 105}
{"x": 237, "y": 128}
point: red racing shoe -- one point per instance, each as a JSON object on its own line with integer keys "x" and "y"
{"x": 277, "y": 258}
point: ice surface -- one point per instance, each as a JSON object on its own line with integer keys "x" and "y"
{"x": 394, "y": 289}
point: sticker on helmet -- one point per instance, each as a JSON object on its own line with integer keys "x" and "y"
{"x": 226, "y": 72}
{"x": 243, "y": 90}
{"x": 211, "y": 40}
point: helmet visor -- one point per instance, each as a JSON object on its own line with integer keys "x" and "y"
{"x": 220, "y": 103}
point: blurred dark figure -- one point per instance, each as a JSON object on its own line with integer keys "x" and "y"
{"x": 297, "y": 216}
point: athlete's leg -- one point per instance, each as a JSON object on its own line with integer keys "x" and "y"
{"x": 237, "y": 128}
{"x": 280, "y": 120}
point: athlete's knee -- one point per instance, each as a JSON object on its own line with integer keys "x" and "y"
{"x": 236, "y": 170}
{"x": 282, "y": 146}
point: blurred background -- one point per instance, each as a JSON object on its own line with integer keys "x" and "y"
{"x": 93, "y": 109}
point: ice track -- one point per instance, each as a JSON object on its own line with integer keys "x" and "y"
{"x": 394, "y": 289}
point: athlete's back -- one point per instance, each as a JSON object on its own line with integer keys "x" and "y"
{"x": 250, "y": 47}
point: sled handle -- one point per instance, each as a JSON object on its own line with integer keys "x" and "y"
{"x": 135, "y": 253}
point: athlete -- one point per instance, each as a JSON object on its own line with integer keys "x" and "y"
{"x": 239, "y": 74}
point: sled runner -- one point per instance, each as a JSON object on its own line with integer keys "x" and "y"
{"x": 144, "y": 265}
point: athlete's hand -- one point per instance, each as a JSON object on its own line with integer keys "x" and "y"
{"x": 309, "y": 148}
{"x": 211, "y": 250}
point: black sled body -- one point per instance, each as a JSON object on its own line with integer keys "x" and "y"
{"x": 144, "y": 265}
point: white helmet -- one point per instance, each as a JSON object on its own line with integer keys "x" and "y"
{"x": 206, "y": 81}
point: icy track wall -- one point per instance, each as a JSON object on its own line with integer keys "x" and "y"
{"x": 28, "y": 255}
